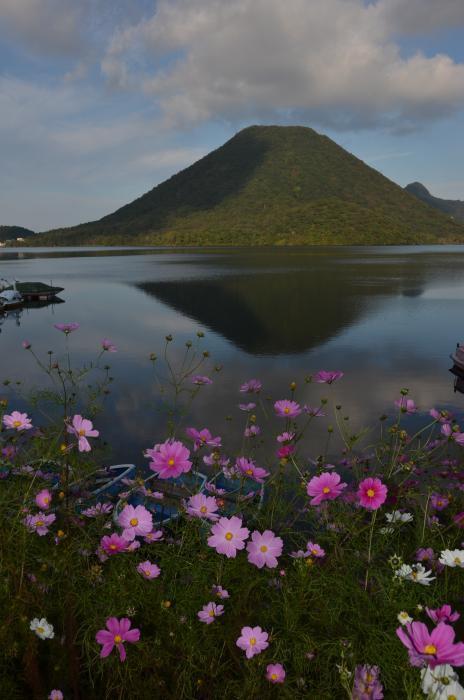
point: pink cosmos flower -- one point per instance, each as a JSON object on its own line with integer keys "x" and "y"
{"x": 66, "y": 328}
{"x": 135, "y": 521}
{"x": 220, "y": 592}
{"x": 118, "y": 632}
{"x": 252, "y": 386}
{"x": 56, "y": 695}
{"x": 443, "y": 614}
{"x": 201, "y": 506}
{"x": 433, "y": 648}
{"x": 458, "y": 519}
{"x": 17, "y": 421}
{"x": 313, "y": 411}
{"x": 113, "y": 544}
{"x": 315, "y": 550}
{"x": 228, "y": 536}
{"x": 441, "y": 416}
{"x": 43, "y": 499}
{"x": 438, "y": 502}
{"x": 153, "y": 536}
{"x": 252, "y": 431}
{"x": 263, "y": 549}
{"x": 26, "y": 344}
{"x": 406, "y": 405}
{"x": 170, "y": 459}
{"x": 452, "y": 433}
{"x": 200, "y": 380}
{"x": 98, "y": 509}
{"x": 39, "y": 523}
{"x": 325, "y": 487}
{"x": 324, "y": 377}
{"x": 287, "y": 409}
{"x": 285, "y": 451}
{"x": 248, "y": 468}
{"x": 372, "y": 493}
{"x": 253, "y": 640}
{"x": 202, "y": 437}
{"x": 108, "y": 345}
{"x": 247, "y": 407}
{"x": 275, "y": 673}
{"x": 148, "y": 570}
{"x": 210, "y": 612}
{"x": 285, "y": 438}
{"x": 82, "y": 429}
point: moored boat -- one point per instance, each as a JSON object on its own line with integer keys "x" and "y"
{"x": 10, "y": 299}
{"x": 458, "y": 356}
{"x": 38, "y": 291}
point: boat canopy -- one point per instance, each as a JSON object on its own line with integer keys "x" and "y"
{"x": 10, "y": 295}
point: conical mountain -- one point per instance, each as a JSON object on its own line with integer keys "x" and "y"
{"x": 271, "y": 185}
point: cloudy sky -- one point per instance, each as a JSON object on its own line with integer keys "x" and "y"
{"x": 102, "y": 99}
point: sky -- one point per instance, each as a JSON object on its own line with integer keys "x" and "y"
{"x": 100, "y": 100}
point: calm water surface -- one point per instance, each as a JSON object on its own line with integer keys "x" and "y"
{"x": 388, "y": 317}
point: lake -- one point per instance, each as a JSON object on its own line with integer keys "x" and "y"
{"x": 387, "y": 316}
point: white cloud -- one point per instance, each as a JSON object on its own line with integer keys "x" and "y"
{"x": 334, "y": 62}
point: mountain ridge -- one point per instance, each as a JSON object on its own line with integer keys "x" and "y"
{"x": 270, "y": 185}
{"x": 452, "y": 207}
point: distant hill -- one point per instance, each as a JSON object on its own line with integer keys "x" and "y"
{"x": 10, "y": 233}
{"x": 270, "y": 185}
{"x": 453, "y": 207}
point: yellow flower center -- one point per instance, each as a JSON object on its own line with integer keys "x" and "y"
{"x": 40, "y": 630}
{"x": 371, "y": 493}
{"x": 274, "y": 676}
{"x": 203, "y": 509}
{"x": 286, "y": 410}
{"x": 252, "y": 642}
{"x": 117, "y": 639}
{"x": 211, "y": 613}
{"x": 263, "y": 548}
{"x": 314, "y": 551}
{"x": 134, "y": 522}
{"x": 229, "y": 535}
{"x": 16, "y": 423}
{"x": 452, "y": 697}
{"x": 113, "y": 546}
{"x": 430, "y": 649}
{"x": 170, "y": 462}
{"x": 326, "y": 489}
{"x": 147, "y": 572}
{"x": 46, "y": 500}
{"x": 439, "y": 503}
{"x": 40, "y": 523}
{"x": 457, "y": 560}
{"x": 249, "y": 472}
{"x": 81, "y": 432}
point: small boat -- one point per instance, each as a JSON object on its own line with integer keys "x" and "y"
{"x": 174, "y": 491}
{"x": 38, "y": 291}
{"x": 232, "y": 494}
{"x": 458, "y": 357}
{"x": 10, "y": 299}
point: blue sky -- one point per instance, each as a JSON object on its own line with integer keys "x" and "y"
{"x": 102, "y": 99}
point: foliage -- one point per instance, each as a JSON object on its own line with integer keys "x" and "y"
{"x": 324, "y": 615}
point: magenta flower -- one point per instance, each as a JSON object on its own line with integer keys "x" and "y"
{"x": 56, "y": 695}
{"x": 275, "y": 673}
{"x": 118, "y": 632}
{"x": 135, "y": 521}
{"x": 247, "y": 407}
{"x": 313, "y": 411}
{"x": 17, "y": 421}
{"x": 202, "y": 437}
{"x": 324, "y": 377}
{"x": 438, "y": 502}
{"x": 433, "y": 648}
{"x": 248, "y": 468}
{"x": 372, "y": 493}
{"x": 200, "y": 380}
{"x": 170, "y": 459}
{"x": 43, "y": 499}
{"x": 26, "y": 344}
{"x": 39, "y": 523}
{"x": 253, "y": 640}
{"x": 113, "y": 544}
{"x": 325, "y": 487}
{"x": 285, "y": 451}
{"x": 228, "y": 536}
{"x": 210, "y": 612}
{"x": 148, "y": 570}
{"x": 315, "y": 550}
{"x": 443, "y": 614}
{"x": 287, "y": 409}
{"x": 252, "y": 386}
{"x": 220, "y": 592}
{"x": 263, "y": 549}
{"x": 441, "y": 416}
{"x": 201, "y": 506}
{"x": 98, "y": 509}
{"x": 367, "y": 685}
{"x": 252, "y": 431}
{"x": 82, "y": 429}
{"x": 66, "y": 328}
{"x": 286, "y": 437}
{"x": 108, "y": 345}
{"x": 406, "y": 405}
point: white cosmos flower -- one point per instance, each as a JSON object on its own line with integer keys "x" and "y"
{"x": 416, "y": 573}
{"x": 441, "y": 683}
{"x": 42, "y": 628}
{"x": 398, "y": 517}
{"x": 452, "y": 557}
{"x": 404, "y": 618}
